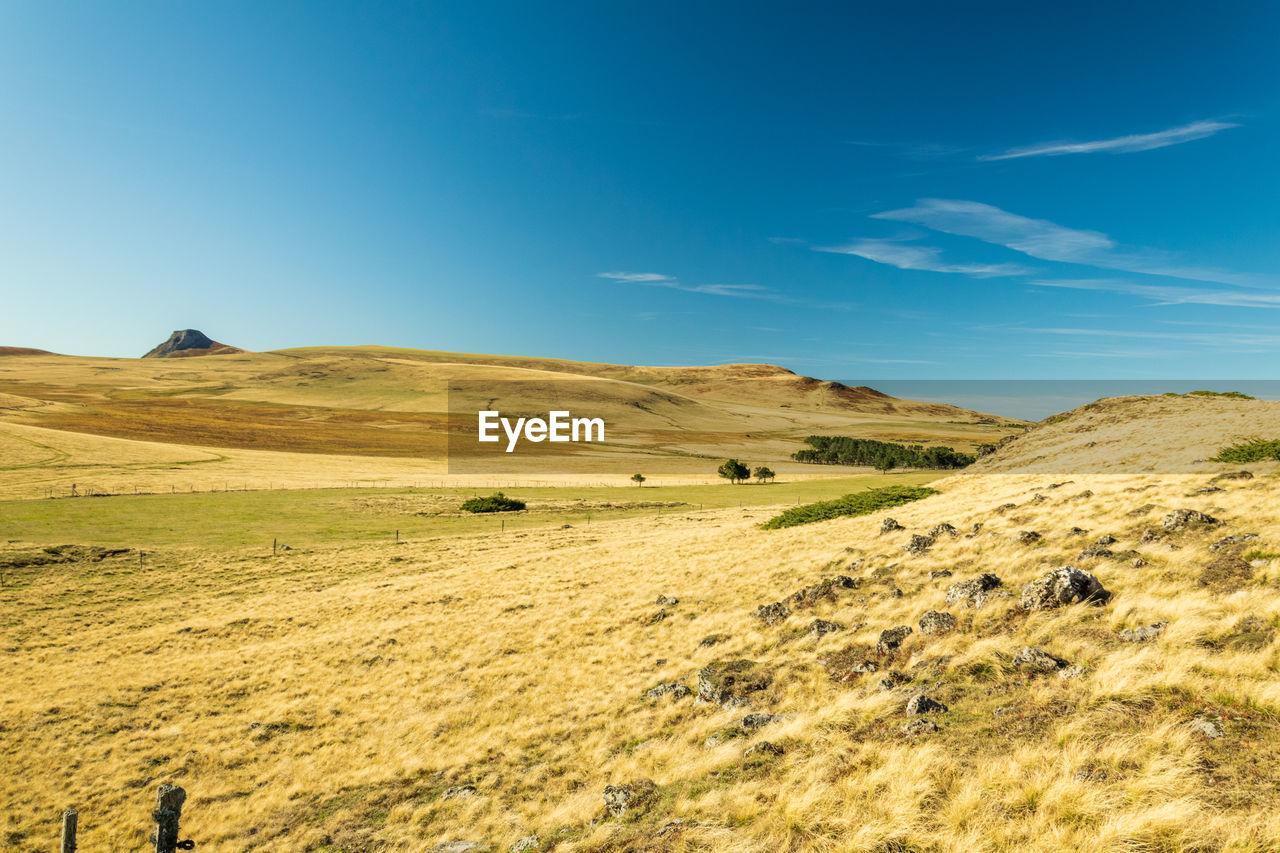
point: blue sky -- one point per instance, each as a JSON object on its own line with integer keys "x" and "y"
{"x": 853, "y": 190}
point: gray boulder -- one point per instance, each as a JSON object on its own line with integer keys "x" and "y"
{"x": 728, "y": 683}
{"x": 892, "y": 638}
{"x": 1031, "y": 659}
{"x": 674, "y": 689}
{"x": 922, "y": 704}
{"x": 1143, "y": 633}
{"x": 937, "y": 622}
{"x": 631, "y": 797}
{"x": 1180, "y": 518}
{"x": 821, "y": 627}
{"x": 918, "y": 544}
{"x": 1060, "y": 587}
{"x": 771, "y": 614}
{"x": 973, "y": 592}
{"x": 889, "y": 525}
{"x": 526, "y": 844}
{"x": 943, "y": 529}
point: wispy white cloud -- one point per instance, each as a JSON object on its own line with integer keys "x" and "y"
{"x": 906, "y": 257}
{"x": 738, "y": 291}
{"x": 635, "y": 277}
{"x": 1120, "y": 144}
{"x": 1040, "y": 238}
{"x": 1171, "y": 294}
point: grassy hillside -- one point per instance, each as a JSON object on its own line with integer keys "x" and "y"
{"x": 489, "y": 686}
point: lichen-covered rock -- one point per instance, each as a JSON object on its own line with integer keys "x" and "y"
{"x": 821, "y": 627}
{"x": 939, "y": 573}
{"x": 1077, "y": 531}
{"x": 1206, "y": 727}
{"x": 1060, "y": 587}
{"x": 1105, "y": 540}
{"x": 633, "y": 797}
{"x": 762, "y": 749}
{"x": 1031, "y": 659}
{"x": 1238, "y": 539}
{"x": 459, "y": 792}
{"x": 771, "y": 614}
{"x": 943, "y": 529}
{"x": 973, "y": 592}
{"x": 1026, "y": 537}
{"x": 459, "y": 847}
{"x": 1143, "y": 633}
{"x": 1073, "y": 671}
{"x": 712, "y": 640}
{"x": 1095, "y": 552}
{"x": 674, "y": 689}
{"x": 937, "y": 622}
{"x": 919, "y": 727}
{"x": 1181, "y": 518}
{"x": 892, "y": 638}
{"x": 922, "y": 704}
{"x": 667, "y": 601}
{"x": 751, "y": 722}
{"x": 918, "y": 544}
{"x": 889, "y": 525}
{"x": 728, "y": 683}
{"x": 526, "y": 844}
{"x": 826, "y": 589}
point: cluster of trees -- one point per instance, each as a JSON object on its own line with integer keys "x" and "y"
{"x": 738, "y": 472}
{"x": 881, "y": 455}
{"x": 496, "y": 502}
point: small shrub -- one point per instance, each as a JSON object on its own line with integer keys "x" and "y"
{"x": 496, "y": 502}
{"x": 859, "y": 503}
{"x": 1252, "y": 450}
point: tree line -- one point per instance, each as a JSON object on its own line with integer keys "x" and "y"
{"x": 882, "y": 455}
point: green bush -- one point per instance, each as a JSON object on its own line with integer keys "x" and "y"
{"x": 859, "y": 503}
{"x": 496, "y": 502}
{"x": 1253, "y": 450}
{"x": 882, "y": 455}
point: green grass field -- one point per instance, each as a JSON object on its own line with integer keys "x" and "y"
{"x": 324, "y": 517}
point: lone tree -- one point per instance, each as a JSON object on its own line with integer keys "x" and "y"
{"x": 734, "y": 471}
{"x": 885, "y": 464}
{"x": 762, "y": 473}
{"x": 638, "y": 479}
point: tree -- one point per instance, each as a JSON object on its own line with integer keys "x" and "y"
{"x": 638, "y": 479}
{"x": 734, "y": 471}
{"x": 762, "y": 473}
{"x": 885, "y": 464}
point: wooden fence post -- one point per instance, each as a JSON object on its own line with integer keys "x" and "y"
{"x": 169, "y": 800}
{"x": 69, "y": 818}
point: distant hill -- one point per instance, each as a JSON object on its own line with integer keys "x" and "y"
{"x": 185, "y": 343}
{"x": 23, "y": 351}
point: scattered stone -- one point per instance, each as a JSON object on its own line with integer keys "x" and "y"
{"x": 1095, "y": 552}
{"x": 1073, "y": 671}
{"x": 459, "y": 847}
{"x": 526, "y": 844}
{"x": 1232, "y": 475}
{"x": 1143, "y": 633}
{"x": 673, "y": 827}
{"x": 1150, "y": 535}
{"x": 751, "y": 722}
{"x": 1060, "y": 587}
{"x": 656, "y": 617}
{"x": 1233, "y": 540}
{"x": 1206, "y": 727}
{"x": 826, "y": 589}
{"x": 937, "y": 622}
{"x": 1140, "y": 511}
{"x": 1083, "y": 496}
{"x": 1105, "y": 539}
{"x": 848, "y": 663}
{"x": 918, "y": 544}
{"x": 892, "y": 638}
{"x": 1091, "y": 775}
{"x": 1139, "y": 563}
{"x": 943, "y": 529}
{"x": 919, "y": 727}
{"x": 1003, "y": 508}
{"x": 973, "y": 592}
{"x": 459, "y": 792}
{"x": 1027, "y": 536}
{"x": 667, "y": 601}
{"x": 892, "y": 680}
{"x": 1206, "y": 490}
{"x": 821, "y": 627}
{"x": 975, "y": 530}
{"x": 922, "y": 704}
{"x": 939, "y": 573}
{"x": 1037, "y": 660}
{"x": 674, "y": 689}
{"x": 889, "y": 525}
{"x": 631, "y": 797}
{"x": 727, "y": 683}
{"x": 1038, "y": 499}
{"x": 1180, "y": 518}
{"x": 1077, "y": 531}
{"x": 771, "y": 614}
{"x": 762, "y": 748}
{"x": 712, "y": 640}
